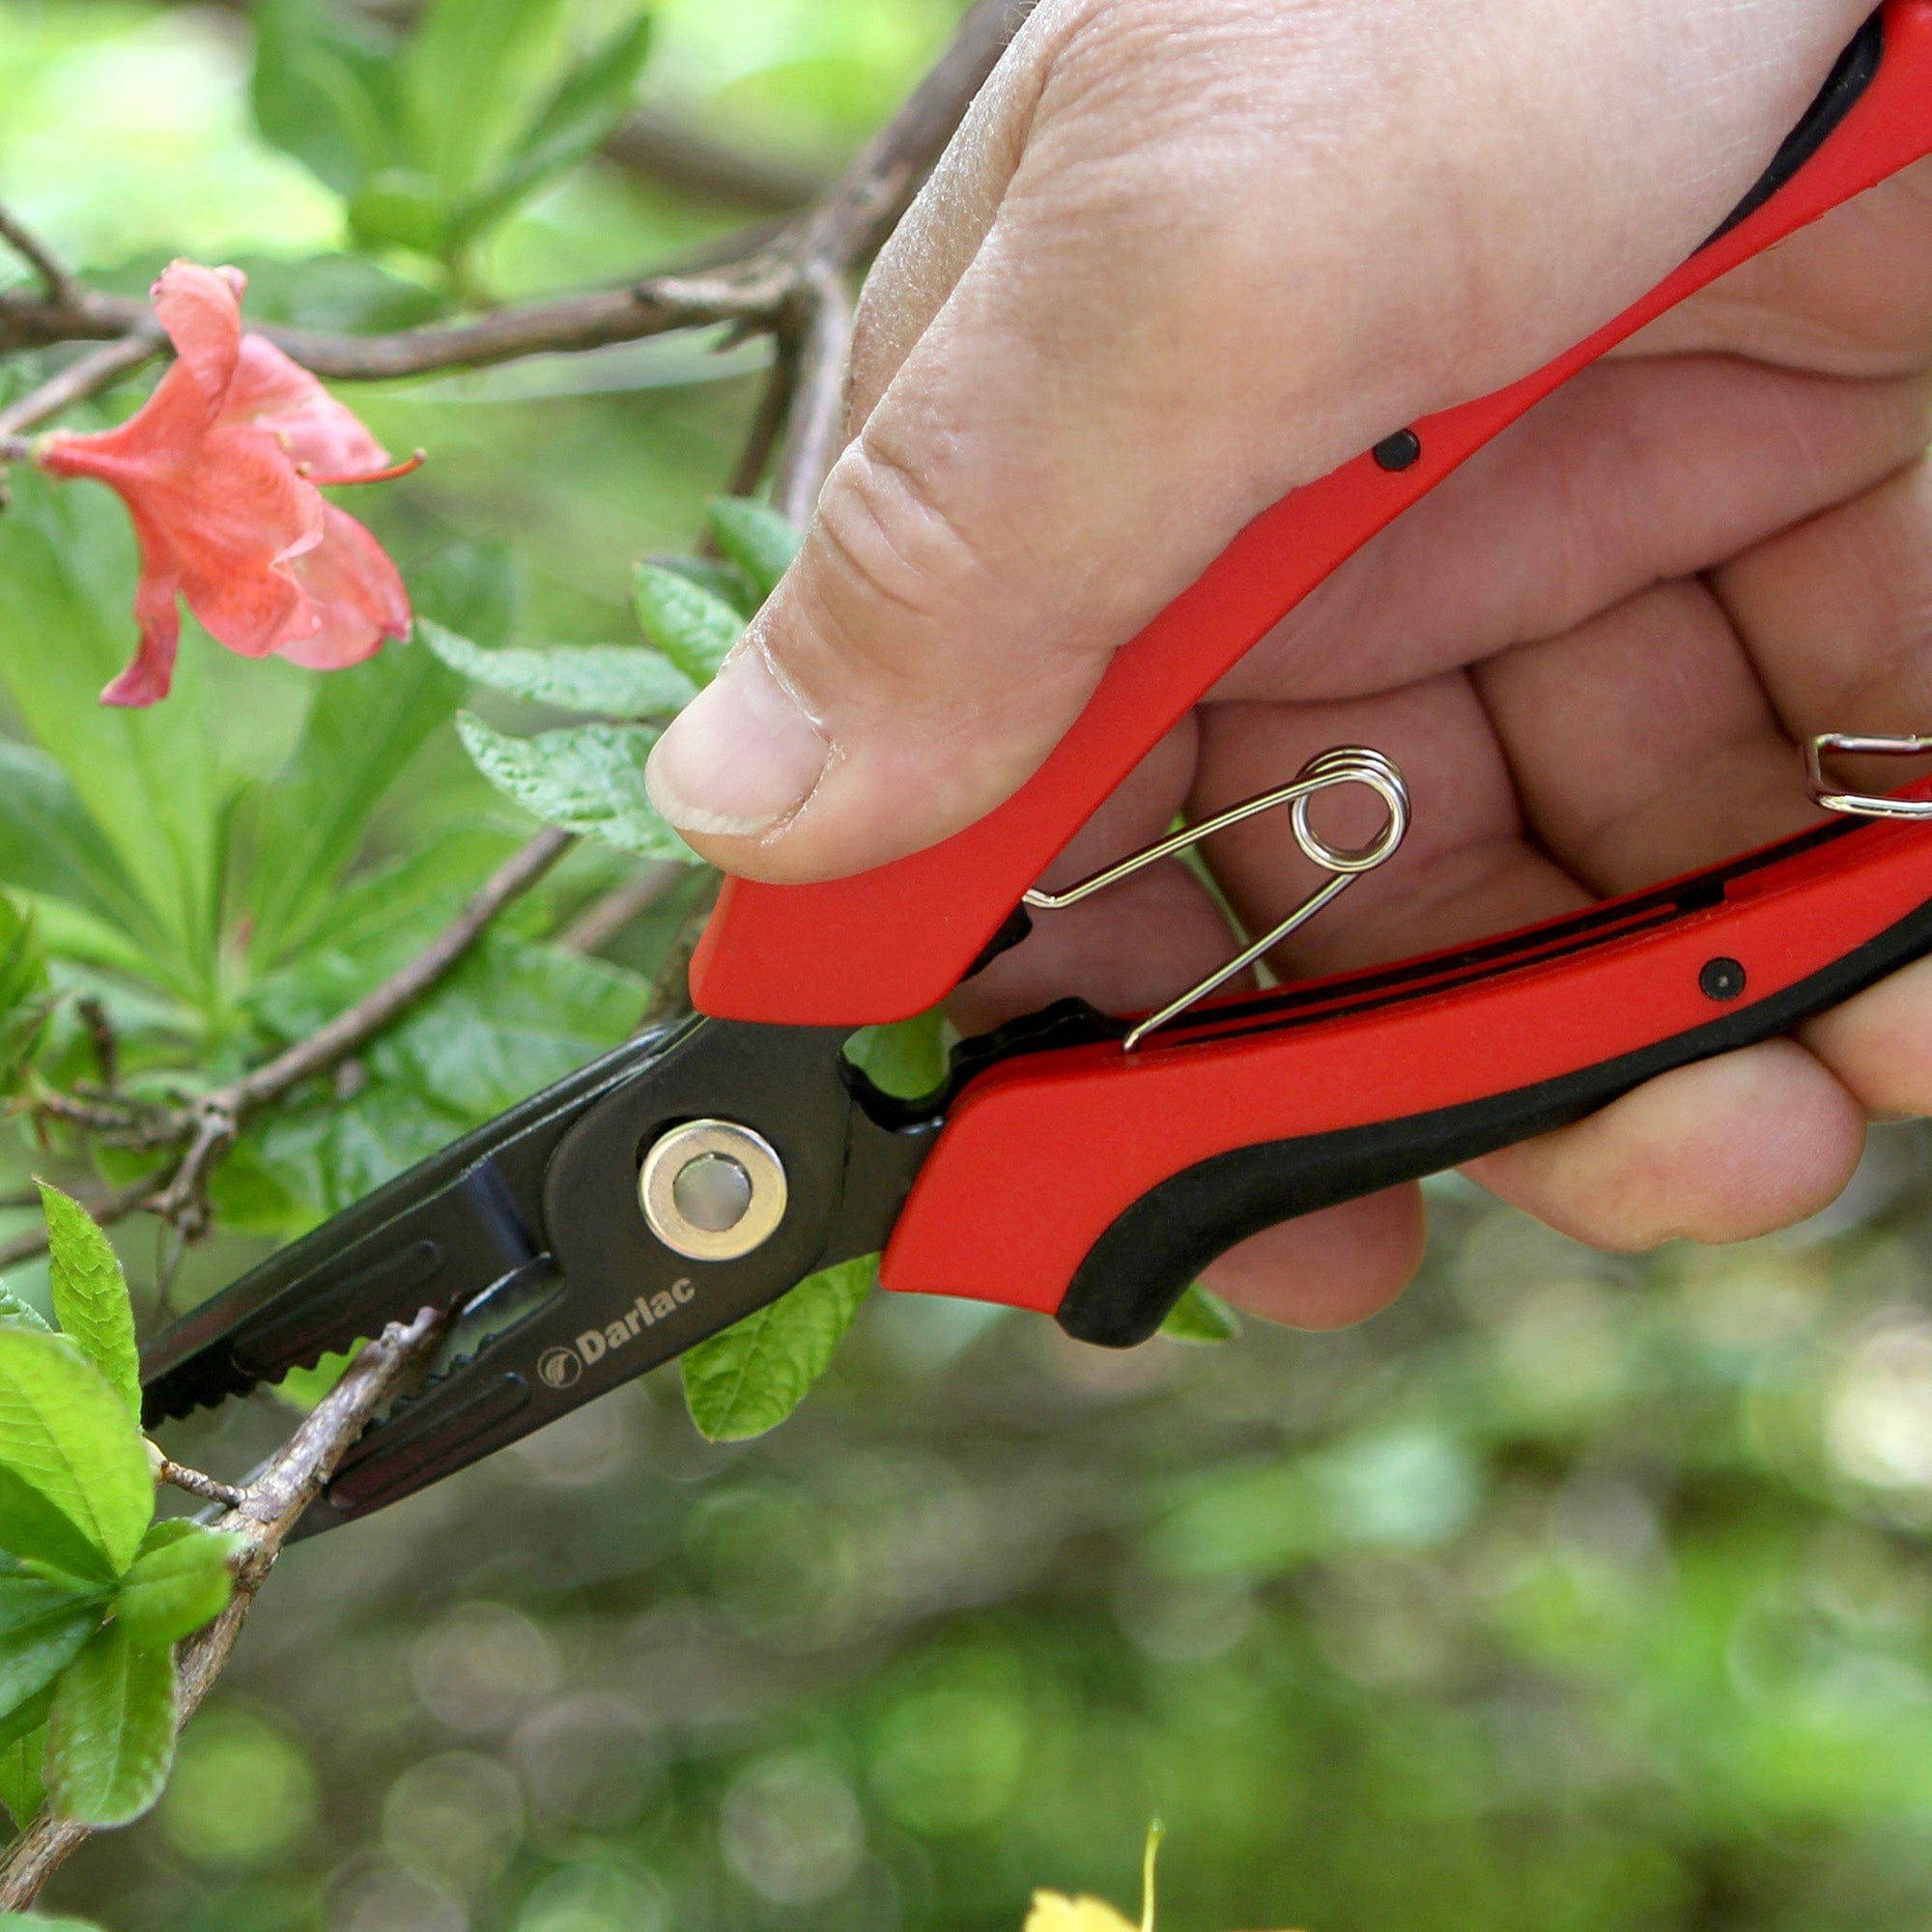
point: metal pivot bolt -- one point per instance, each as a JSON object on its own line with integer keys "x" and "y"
{"x": 712, "y": 1190}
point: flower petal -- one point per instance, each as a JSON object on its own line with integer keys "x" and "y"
{"x": 318, "y": 431}
{"x": 201, "y": 310}
{"x": 356, "y": 593}
{"x": 164, "y": 432}
{"x": 150, "y": 670}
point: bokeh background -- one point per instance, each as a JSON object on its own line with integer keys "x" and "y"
{"x": 1574, "y": 1593}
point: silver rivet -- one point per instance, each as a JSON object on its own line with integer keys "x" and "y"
{"x": 712, "y": 1193}
{"x": 712, "y": 1190}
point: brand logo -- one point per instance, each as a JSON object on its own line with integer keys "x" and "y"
{"x": 560, "y": 1366}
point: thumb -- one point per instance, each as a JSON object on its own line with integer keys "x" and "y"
{"x": 1186, "y": 256}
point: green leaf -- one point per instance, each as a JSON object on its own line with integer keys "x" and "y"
{"x": 91, "y": 1293}
{"x": 24, "y": 1793}
{"x": 321, "y": 90}
{"x": 31, "y": 1714}
{"x": 907, "y": 1059}
{"x": 13, "y": 1309}
{"x": 512, "y": 1018}
{"x": 159, "y": 784}
{"x": 111, "y": 1732}
{"x": 614, "y": 680}
{"x": 68, "y": 1436}
{"x": 33, "y": 1528}
{"x": 755, "y": 537}
{"x": 748, "y": 1379}
{"x": 50, "y": 848}
{"x": 693, "y": 627}
{"x": 399, "y": 207}
{"x": 471, "y": 589}
{"x": 42, "y": 1627}
{"x": 588, "y": 778}
{"x": 595, "y": 95}
{"x": 363, "y": 727}
{"x": 182, "y": 1579}
{"x": 1200, "y": 1315}
{"x": 725, "y": 581}
{"x": 29, "y": 1919}
{"x": 473, "y": 77}
{"x": 25, "y": 999}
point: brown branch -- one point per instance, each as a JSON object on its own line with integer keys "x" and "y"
{"x": 84, "y": 377}
{"x": 178, "y": 1475}
{"x": 759, "y": 290}
{"x": 815, "y": 432}
{"x": 55, "y": 275}
{"x": 204, "y": 1132}
{"x": 355, "y": 1025}
{"x": 269, "y": 1510}
{"x": 766, "y": 427}
{"x": 663, "y": 146}
{"x": 219, "y": 1115}
{"x": 866, "y": 202}
{"x": 601, "y": 922}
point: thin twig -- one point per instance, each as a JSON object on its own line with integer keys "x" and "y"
{"x": 86, "y": 375}
{"x": 748, "y": 291}
{"x": 267, "y": 1509}
{"x": 662, "y": 144}
{"x": 601, "y": 922}
{"x": 355, "y": 1025}
{"x": 55, "y": 275}
{"x": 178, "y": 1475}
{"x": 817, "y": 431}
{"x": 758, "y": 290}
{"x": 204, "y": 1132}
{"x": 767, "y": 424}
{"x": 219, "y": 1115}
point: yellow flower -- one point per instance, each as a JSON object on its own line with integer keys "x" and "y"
{"x": 1055, "y": 1912}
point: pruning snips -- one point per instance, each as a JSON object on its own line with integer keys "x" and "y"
{"x": 1072, "y": 1163}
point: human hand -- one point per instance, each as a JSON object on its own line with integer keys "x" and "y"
{"x": 1189, "y": 254}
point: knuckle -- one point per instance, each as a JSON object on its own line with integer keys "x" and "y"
{"x": 887, "y": 538}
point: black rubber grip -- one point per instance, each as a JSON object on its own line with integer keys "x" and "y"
{"x": 1857, "y": 69}
{"x": 1139, "y": 1268}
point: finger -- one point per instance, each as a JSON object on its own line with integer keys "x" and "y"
{"x": 1838, "y": 615}
{"x": 1473, "y": 873}
{"x": 1837, "y": 612}
{"x": 1732, "y": 1146}
{"x": 1329, "y": 1269}
{"x": 1063, "y": 449}
{"x": 1642, "y": 743}
{"x": 1723, "y": 1150}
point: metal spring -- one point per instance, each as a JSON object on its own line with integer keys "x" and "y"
{"x": 1344, "y": 765}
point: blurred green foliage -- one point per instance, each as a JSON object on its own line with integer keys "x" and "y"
{"x": 1574, "y": 1594}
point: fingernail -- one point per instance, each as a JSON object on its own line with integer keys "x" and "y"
{"x": 739, "y": 757}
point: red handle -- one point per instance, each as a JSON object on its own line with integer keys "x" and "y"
{"x": 1122, "y": 1174}
{"x": 892, "y": 942}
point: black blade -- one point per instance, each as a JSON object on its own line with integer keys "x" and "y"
{"x": 533, "y": 1228}
{"x": 436, "y": 1235}
{"x": 609, "y": 1301}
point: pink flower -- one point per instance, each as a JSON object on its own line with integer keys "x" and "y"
{"x": 219, "y": 472}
